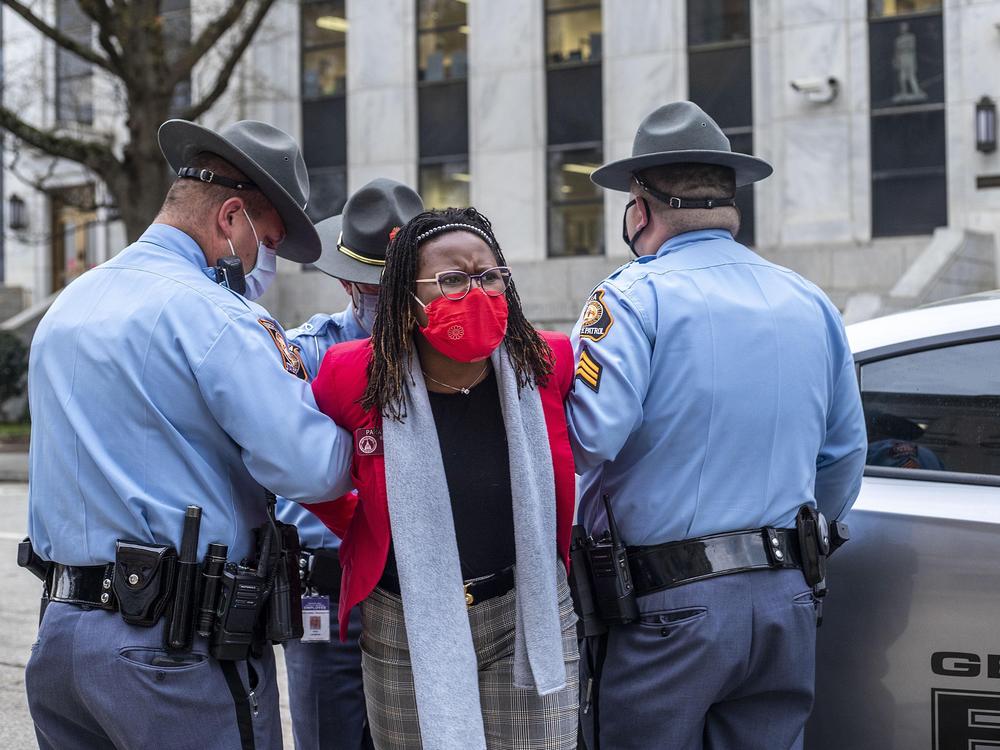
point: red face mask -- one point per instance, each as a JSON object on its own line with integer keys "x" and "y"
{"x": 468, "y": 329}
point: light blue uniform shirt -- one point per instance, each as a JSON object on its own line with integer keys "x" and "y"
{"x": 151, "y": 387}
{"x": 715, "y": 392}
{"x": 313, "y": 339}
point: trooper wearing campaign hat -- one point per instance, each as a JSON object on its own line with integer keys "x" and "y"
{"x": 157, "y": 383}
{"x": 715, "y": 407}
{"x": 326, "y": 695}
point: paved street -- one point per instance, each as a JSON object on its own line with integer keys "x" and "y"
{"x": 19, "y": 592}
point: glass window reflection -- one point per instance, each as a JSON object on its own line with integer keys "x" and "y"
{"x": 324, "y": 49}
{"x": 442, "y": 40}
{"x": 884, "y": 8}
{"x": 323, "y": 93}
{"x": 441, "y": 56}
{"x": 436, "y": 14}
{"x": 576, "y": 205}
{"x": 936, "y": 409}
{"x": 573, "y": 35}
{"x": 720, "y": 81}
{"x": 445, "y": 185}
{"x": 718, "y": 21}
{"x": 323, "y": 23}
{"x": 74, "y": 76}
{"x": 324, "y": 72}
{"x": 908, "y": 147}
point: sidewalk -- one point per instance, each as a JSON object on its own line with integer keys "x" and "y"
{"x": 14, "y": 466}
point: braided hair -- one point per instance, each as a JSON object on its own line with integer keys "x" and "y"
{"x": 392, "y": 332}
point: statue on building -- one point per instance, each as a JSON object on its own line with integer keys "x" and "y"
{"x": 904, "y": 62}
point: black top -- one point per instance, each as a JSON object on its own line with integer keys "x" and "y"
{"x": 473, "y": 442}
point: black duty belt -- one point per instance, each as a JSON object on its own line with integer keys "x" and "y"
{"x": 83, "y": 585}
{"x": 477, "y": 590}
{"x": 663, "y": 566}
{"x": 320, "y": 571}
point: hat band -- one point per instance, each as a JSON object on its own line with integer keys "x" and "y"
{"x": 355, "y": 255}
{"x": 207, "y": 175}
{"x": 674, "y": 202}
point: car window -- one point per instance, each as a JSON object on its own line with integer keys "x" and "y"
{"x": 937, "y": 409}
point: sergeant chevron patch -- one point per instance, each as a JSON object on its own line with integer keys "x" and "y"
{"x": 589, "y": 371}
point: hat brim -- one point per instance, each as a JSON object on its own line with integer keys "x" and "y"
{"x": 617, "y": 175}
{"x": 335, "y": 263}
{"x": 180, "y": 141}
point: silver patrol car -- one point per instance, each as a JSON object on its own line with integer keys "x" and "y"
{"x": 909, "y": 651}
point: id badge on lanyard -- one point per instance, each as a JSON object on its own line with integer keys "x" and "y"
{"x": 315, "y": 619}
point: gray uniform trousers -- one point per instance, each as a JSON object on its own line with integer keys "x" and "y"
{"x": 726, "y": 663}
{"x": 91, "y": 684}
{"x": 325, "y": 692}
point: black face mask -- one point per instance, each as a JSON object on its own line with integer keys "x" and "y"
{"x": 630, "y": 241}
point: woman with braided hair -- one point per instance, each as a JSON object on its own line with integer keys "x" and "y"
{"x": 456, "y": 544}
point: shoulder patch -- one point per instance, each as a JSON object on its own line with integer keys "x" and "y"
{"x": 597, "y": 318}
{"x": 291, "y": 357}
{"x": 589, "y": 370}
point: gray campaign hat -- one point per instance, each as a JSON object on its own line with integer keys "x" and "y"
{"x": 271, "y": 160}
{"x": 354, "y": 243}
{"x": 679, "y": 133}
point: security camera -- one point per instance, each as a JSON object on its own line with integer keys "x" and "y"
{"x": 817, "y": 90}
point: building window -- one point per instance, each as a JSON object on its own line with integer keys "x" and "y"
{"x": 74, "y": 77}
{"x": 175, "y": 16}
{"x": 442, "y": 40}
{"x": 576, "y": 216}
{"x": 445, "y": 184}
{"x": 443, "y": 103}
{"x": 906, "y": 59}
{"x": 572, "y": 32}
{"x": 324, "y": 105}
{"x": 720, "y": 81}
{"x": 575, "y": 128}
{"x": 74, "y": 234}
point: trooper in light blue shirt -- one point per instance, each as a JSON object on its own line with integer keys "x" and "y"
{"x": 153, "y": 387}
{"x": 715, "y": 393}
{"x": 733, "y": 427}
{"x": 326, "y": 694}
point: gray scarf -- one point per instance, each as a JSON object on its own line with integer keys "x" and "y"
{"x": 445, "y": 669}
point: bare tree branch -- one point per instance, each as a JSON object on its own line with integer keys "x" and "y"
{"x": 80, "y": 50}
{"x": 107, "y": 29}
{"x": 207, "y": 39}
{"x": 95, "y": 156}
{"x": 225, "y": 74}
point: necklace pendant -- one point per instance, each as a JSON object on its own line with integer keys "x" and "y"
{"x": 465, "y": 391}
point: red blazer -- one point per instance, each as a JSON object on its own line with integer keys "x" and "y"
{"x": 363, "y": 521}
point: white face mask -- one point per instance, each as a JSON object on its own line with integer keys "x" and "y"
{"x": 365, "y": 306}
{"x": 264, "y": 270}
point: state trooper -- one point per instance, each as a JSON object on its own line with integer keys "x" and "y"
{"x": 715, "y": 406}
{"x": 152, "y": 387}
{"x": 326, "y": 695}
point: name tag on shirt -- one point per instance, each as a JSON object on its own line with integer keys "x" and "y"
{"x": 315, "y": 619}
{"x": 368, "y": 442}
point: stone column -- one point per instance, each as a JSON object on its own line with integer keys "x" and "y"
{"x": 644, "y": 66}
{"x": 820, "y": 190}
{"x": 381, "y": 91}
{"x": 507, "y": 122}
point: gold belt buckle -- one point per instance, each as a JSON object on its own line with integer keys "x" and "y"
{"x": 469, "y": 599}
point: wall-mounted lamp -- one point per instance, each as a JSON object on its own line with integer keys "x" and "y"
{"x": 986, "y": 125}
{"x": 17, "y": 213}
{"x": 817, "y": 90}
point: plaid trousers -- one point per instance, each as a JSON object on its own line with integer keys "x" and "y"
{"x": 514, "y": 719}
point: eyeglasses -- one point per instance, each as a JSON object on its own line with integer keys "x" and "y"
{"x": 454, "y": 285}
